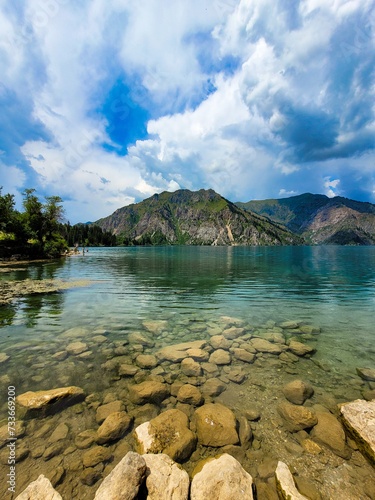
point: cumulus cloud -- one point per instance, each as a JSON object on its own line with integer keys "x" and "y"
{"x": 105, "y": 104}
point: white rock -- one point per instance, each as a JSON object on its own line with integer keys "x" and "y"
{"x": 165, "y": 479}
{"x": 359, "y": 419}
{"x": 40, "y": 489}
{"x": 222, "y": 478}
{"x": 285, "y": 483}
{"x": 124, "y": 481}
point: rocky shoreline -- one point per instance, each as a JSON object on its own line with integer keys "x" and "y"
{"x": 154, "y": 474}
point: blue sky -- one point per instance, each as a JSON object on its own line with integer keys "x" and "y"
{"x": 106, "y": 103}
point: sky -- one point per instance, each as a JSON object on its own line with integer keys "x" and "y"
{"x": 106, "y": 103}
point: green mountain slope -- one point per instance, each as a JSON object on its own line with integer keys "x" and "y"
{"x": 194, "y": 218}
{"x": 319, "y": 219}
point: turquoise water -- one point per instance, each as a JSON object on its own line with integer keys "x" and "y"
{"x": 333, "y": 287}
{"x": 183, "y": 293}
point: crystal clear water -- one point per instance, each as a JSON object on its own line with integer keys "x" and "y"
{"x": 191, "y": 288}
{"x": 333, "y": 287}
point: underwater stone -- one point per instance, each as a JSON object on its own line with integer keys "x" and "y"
{"x": 298, "y": 391}
{"x": 149, "y": 392}
{"x": 42, "y": 403}
{"x": 216, "y": 425}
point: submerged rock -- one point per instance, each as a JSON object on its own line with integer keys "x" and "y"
{"x": 359, "y": 418}
{"x": 243, "y": 355}
{"x": 190, "y": 394}
{"x": 263, "y": 345}
{"x": 149, "y": 392}
{"x": 213, "y": 387}
{"x": 297, "y": 418}
{"x": 216, "y": 425}
{"x": 146, "y": 361}
{"x": 43, "y": 403}
{"x": 300, "y": 349}
{"x": 178, "y": 352}
{"x": 285, "y": 484}
{"x": 366, "y": 374}
{"x": 220, "y": 342}
{"x": 39, "y": 489}
{"x": 298, "y": 391}
{"x": 76, "y": 348}
{"x": 222, "y": 478}
{"x": 113, "y": 427}
{"x": 165, "y": 480}
{"x": 233, "y": 333}
{"x": 220, "y": 357}
{"x": 329, "y": 432}
{"x": 125, "y": 479}
{"x": 191, "y": 368}
{"x": 168, "y": 433}
{"x": 104, "y": 411}
{"x": 141, "y": 339}
{"x": 3, "y": 357}
{"x": 96, "y": 455}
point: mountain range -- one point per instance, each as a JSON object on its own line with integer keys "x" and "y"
{"x": 319, "y": 219}
{"x": 194, "y": 218}
{"x": 204, "y": 217}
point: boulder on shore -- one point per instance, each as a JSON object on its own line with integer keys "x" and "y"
{"x": 216, "y": 425}
{"x": 165, "y": 480}
{"x": 168, "y": 433}
{"x": 40, "y": 488}
{"x": 124, "y": 480}
{"x": 359, "y": 418}
{"x": 285, "y": 483}
{"x": 43, "y": 403}
{"x": 222, "y": 478}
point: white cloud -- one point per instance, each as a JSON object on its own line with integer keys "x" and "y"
{"x": 331, "y": 187}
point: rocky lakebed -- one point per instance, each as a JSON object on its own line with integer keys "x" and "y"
{"x": 225, "y": 410}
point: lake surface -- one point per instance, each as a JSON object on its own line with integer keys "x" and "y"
{"x": 191, "y": 289}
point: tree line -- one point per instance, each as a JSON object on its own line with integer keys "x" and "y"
{"x": 39, "y": 230}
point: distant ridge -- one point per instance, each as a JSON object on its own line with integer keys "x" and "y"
{"x": 319, "y": 219}
{"x": 194, "y": 218}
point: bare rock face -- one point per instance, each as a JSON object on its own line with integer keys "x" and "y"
{"x": 216, "y": 425}
{"x": 329, "y": 432}
{"x": 43, "y": 403}
{"x": 222, "y": 478}
{"x": 178, "y": 352}
{"x": 168, "y": 433}
{"x": 285, "y": 484}
{"x": 124, "y": 481}
{"x": 298, "y": 391}
{"x": 297, "y": 418}
{"x": 113, "y": 427}
{"x": 359, "y": 418}
{"x": 38, "y": 489}
{"x": 165, "y": 480}
{"x": 149, "y": 392}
